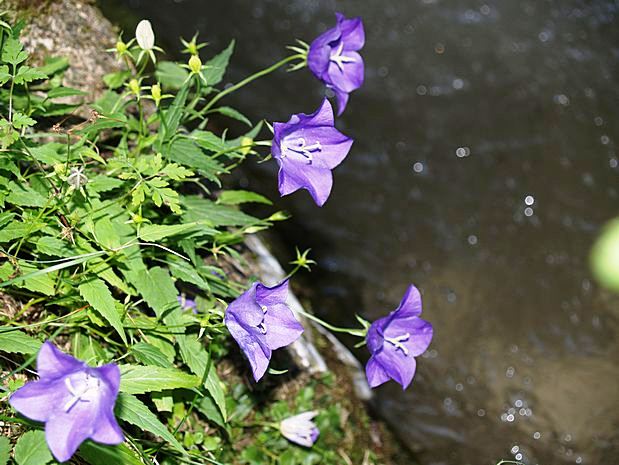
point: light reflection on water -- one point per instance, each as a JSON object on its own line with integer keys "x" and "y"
{"x": 484, "y": 164}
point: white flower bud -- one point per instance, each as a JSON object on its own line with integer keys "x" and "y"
{"x": 144, "y": 35}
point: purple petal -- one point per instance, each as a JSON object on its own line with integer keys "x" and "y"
{"x": 318, "y": 181}
{"x": 36, "y": 399}
{"x": 321, "y": 117}
{"x": 375, "y": 373}
{"x": 107, "y": 430}
{"x": 353, "y": 34}
{"x": 410, "y": 304}
{"x": 257, "y": 353}
{"x": 420, "y": 332}
{"x": 397, "y": 366}
{"x": 52, "y": 363}
{"x": 65, "y": 431}
{"x": 320, "y": 50}
{"x": 335, "y": 146}
{"x": 281, "y": 326}
{"x": 375, "y": 334}
{"x": 342, "y": 100}
{"x": 110, "y": 373}
{"x": 272, "y": 295}
{"x": 245, "y": 308}
{"x": 287, "y": 184}
{"x": 350, "y": 76}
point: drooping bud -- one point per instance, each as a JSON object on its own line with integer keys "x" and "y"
{"x": 144, "y": 35}
{"x": 195, "y": 64}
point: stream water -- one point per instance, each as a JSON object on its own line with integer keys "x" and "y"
{"x": 484, "y": 165}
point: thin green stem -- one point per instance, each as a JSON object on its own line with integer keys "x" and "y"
{"x": 330, "y": 327}
{"x": 246, "y": 81}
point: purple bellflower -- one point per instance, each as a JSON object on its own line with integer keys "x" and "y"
{"x": 396, "y": 340}
{"x": 76, "y": 401}
{"x": 307, "y": 148}
{"x": 260, "y": 322}
{"x": 333, "y": 58}
{"x": 300, "y": 429}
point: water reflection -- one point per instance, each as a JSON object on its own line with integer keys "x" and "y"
{"x": 484, "y": 165}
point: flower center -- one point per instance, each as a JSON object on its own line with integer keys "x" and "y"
{"x": 300, "y": 147}
{"x": 339, "y": 59}
{"x": 397, "y": 342}
{"x": 89, "y": 386}
{"x": 262, "y": 327}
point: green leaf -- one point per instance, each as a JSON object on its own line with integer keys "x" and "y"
{"x": 187, "y": 152}
{"x": 97, "y": 454}
{"x": 201, "y": 209}
{"x": 155, "y": 232}
{"x": 150, "y": 355}
{"x": 138, "y": 379}
{"x": 24, "y": 196}
{"x": 97, "y": 294}
{"x": 171, "y": 74}
{"x": 117, "y": 79}
{"x": 133, "y": 410}
{"x": 13, "y": 51}
{"x": 232, "y": 113}
{"x": 31, "y": 449}
{"x": 171, "y": 118}
{"x": 238, "y": 197}
{"x": 58, "y": 92}
{"x": 5, "y": 75}
{"x": 51, "y": 153}
{"x": 54, "y": 64}
{"x": 215, "y": 68}
{"x": 19, "y": 229}
{"x": 20, "y": 120}
{"x": 157, "y": 289}
{"x": 103, "y": 183}
{"x": 45, "y": 283}
{"x": 28, "y": 74}
{"x": 5, "y": 450}
{"x": 18, "y": 342}
{"x": 210, "y": 410}
{"x": 54, "y": 247}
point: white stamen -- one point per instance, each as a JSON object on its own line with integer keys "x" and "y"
{"x": 78, "y": 394}
{"x": 262, "y": 328}
{"x": 302, "y": 149}
{"x": 397, "y": 342}
{"x": 264, "y": 308}
{"x": 340, "y": 59}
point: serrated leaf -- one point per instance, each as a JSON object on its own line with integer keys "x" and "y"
{"x": 16, "y": 341}
{"x": 134, "y": 411}
{"x": 171, "y": 117}
{"x": 138, "y": 379}
{"x": 31, "y": 449}
{"x": 13, "y": 51}
{"x": 157, "y": 289}
{"x": 54, "y": 247}
{"x": 20, "y": 120}
{"x": 5, "y": 76}
{"x": 148, "y": 354}
{"x": 103, "y": 183}
{"x": 54, "y": 64}
{"x": 215, "y": 68}
{"x": 240, "y": 196}
{"x": 188, "y": 153}
{"x": 45, "y": 283}
{"x": 50, "y": 153}
{"x": 28, "y": 74}
{"x": 97, "y": 294}
{"x": 201, "y": 209}
{"x": 117, "y": 79}
{"x": 97, "y": 454}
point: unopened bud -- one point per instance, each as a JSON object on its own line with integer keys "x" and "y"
{"x": 195, "y": 64}
{"x": 121, "y": 47}
{"x": 155, "y": 92}
{"x": 246, "y": 145}
{"x": 134, "y": 86}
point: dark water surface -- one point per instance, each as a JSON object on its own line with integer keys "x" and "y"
{"x": 484, "y": 165}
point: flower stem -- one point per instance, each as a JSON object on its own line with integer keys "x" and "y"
{"x": 330, "y": 327}
{"x": 246, "y": 81}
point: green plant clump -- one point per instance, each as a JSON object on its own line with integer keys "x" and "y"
{"x": 112, "y": 213}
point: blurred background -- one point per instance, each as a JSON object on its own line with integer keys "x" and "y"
{"x": 484, "y": 165}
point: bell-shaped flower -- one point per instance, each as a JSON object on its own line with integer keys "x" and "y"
{"x": 144, "y": 35}
{"x": 260, "y": 321}
{"x": 74, "y": 400}
{"x": 307, "y": 148}
{"x": 333, "y": 58}
{"x": 300, "y": 429}
{"x": 396, "y": 340}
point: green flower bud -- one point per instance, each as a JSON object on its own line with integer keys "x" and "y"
{"x": 195, "y": 64}
{"x": 246, "y": 144}
{"x": 134, "y": 86}
{"x": 155, "y": 92}
{"x": 121, "y": 47}
{"x": 605, "y": 256}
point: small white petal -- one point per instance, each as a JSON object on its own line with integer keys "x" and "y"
{"x": 144, "y": 35}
